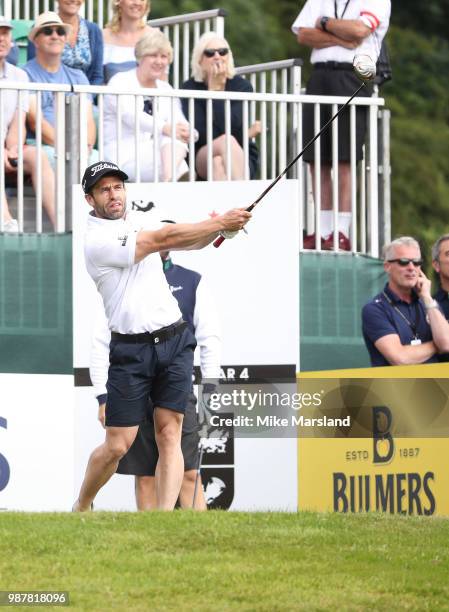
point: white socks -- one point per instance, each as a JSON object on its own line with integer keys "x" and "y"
{"x": 327, "y": 222}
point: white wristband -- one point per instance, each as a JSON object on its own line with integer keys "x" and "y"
{"x": 432, "y": 304}
{"x": 228, "y": 234}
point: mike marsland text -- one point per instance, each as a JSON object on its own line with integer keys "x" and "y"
{"x": 275, "y": 421}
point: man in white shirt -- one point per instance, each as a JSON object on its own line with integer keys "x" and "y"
{"x": 151, "y": 351}
{"x": 200, "y": 313}
{"x": 337, "y": 31}
{"x": 14, "y": 112}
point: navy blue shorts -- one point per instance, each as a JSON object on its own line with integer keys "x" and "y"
{"x": 328, "y": 82}
{"x": 142, "y": 372}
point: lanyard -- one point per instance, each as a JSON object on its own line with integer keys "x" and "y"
{"x": 344, "y": 10}
{"x": 413, "y": 326}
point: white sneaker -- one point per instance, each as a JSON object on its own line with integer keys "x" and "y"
{"x": 11, "y": 226}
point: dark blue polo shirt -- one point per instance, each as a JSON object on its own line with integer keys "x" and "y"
{"x": 183, "y": 284}
{"x": 442, "y": 297}
{"x": 381, "y": 318}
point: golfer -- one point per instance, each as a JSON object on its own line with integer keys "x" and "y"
{"x": 151, "y": 350}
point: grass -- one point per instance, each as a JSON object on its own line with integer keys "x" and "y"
{"x": 223, "y": 561}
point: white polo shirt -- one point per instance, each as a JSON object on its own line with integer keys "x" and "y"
{"x": 10, "y": 98}
{"x": 136, "y": 297}
{"x": 374, "y": 13}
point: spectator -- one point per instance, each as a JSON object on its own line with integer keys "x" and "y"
{"x": 13, "y": 115}
{"x": 83, "y": 49}
{"x": 49, "y": 35}
{"x": 153, "y": 54}
{"x": 213, "y": 70}
{"x": 337, "y": 32}
{"x": 403, "y": 324}
{"x": 122, "y": 33}
{"x": 199, "y": 311}
{"x": 440, "y": 263}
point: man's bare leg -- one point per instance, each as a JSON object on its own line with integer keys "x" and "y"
{"x": 188, "y": 489}
{"x": 103, "y": 463}
{"x": 344, "y": 186}
{"x": 170, "y": 467}
{"x": 325, "y": 185}
{"x": 145, "y": 487}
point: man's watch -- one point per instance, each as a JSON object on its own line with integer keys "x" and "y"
{"x": 323, "y": 23}
{"x": 432, "y": 304}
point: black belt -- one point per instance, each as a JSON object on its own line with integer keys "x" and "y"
{"x": 156, "y": 337}
{"x": 334, "y": 65}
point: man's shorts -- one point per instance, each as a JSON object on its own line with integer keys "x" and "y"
{"x": 334, "y": 82}
{"x": 144, "y": 374}
{"x": 142, "y": 457}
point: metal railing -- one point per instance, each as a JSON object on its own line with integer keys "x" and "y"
{"x": 283, "y": 76}
{"x": 280, "y": 117}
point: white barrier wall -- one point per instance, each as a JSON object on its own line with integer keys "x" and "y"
{"x": 254, "y": 280}
{"x": 36, "y": 442}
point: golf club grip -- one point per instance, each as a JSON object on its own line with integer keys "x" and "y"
{"x": 218, "y": 241}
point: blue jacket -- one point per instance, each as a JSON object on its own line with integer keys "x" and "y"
{"x": 95, "y": 71}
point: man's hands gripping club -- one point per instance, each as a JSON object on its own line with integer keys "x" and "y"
{"x": 232, "y": 233}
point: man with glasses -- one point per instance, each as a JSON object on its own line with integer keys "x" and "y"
{"x": 49, "y": 35}
{"x": 440, "y": 263}
{"x": 403, "y": 324}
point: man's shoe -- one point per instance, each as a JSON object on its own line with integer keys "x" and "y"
{"x": 11, "y": 226}
{"x": 75, "y": 506}
{"x": 343, "y": 243}
{"x": 309, "y": 242}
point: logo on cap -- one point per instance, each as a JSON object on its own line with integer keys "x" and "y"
{"x": 103, "y": 166}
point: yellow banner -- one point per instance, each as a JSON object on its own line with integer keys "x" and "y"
{"x": 391, "y": 455}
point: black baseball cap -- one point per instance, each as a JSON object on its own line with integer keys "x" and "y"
{"x": 95, "y": 172}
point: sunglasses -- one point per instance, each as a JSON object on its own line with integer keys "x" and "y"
{"x": 211, "y": 52}
{"x": 403, "y": 261}
{"x": 48, "y": 31}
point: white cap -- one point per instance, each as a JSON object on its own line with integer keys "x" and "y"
{"x": 5, "y": 23}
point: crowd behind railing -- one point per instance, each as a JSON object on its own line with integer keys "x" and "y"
{"x": 211, "y": 127}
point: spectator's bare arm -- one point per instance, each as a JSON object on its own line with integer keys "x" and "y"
{"x": 91, "y": 128}
{"x": 352, "y": 30}
{"x": 48, "y": 131}
{"x": 317, "y": 39}
{"x": 12, "y": 142}
{"x": 437, "y": 321}
{"x": 404, "y": 354}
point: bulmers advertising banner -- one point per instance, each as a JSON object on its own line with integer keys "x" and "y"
{"x": 375, "y": 444}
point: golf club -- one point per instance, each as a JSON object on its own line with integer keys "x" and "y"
{"x": 365, "y": 69}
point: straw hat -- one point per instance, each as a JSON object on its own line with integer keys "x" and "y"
{"x": 48, "y": 19}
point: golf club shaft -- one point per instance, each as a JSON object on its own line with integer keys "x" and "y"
{"x": 220, "y": 239}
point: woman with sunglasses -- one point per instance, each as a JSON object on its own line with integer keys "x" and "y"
{"x": 83, "y": 48}
{"x": 213, "y": 70}
{"x": 126, "y": 27}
